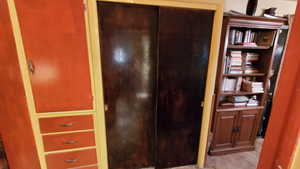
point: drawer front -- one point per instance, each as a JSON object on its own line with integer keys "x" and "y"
{"x": 67, "y": 123}
{"x": 94, "y": 167}
{"x": 68, "y": 141}
{"x": 71, "y": 159}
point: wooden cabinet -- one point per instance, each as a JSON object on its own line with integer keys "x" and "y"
{"x": 235, "y": 131}
{"x": 247, "y": 126}
{"x": 154, "y": 79}
{"x": 225, "y": 129}
{"x": 55, "y": 43}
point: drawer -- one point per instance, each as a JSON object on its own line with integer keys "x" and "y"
{"x": 94, "y": 167}
{"x": 68, "y": 141}
{"x": 71, "y": 159}
{"x": 66, "y": 123}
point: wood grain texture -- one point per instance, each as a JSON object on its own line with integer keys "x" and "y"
{"x": 71, "y": 159}
{"x": 184, "y": 47}
{"x": 67, "y": 123}
{"x": 54, "y": 38}
{"x": 15, "y": 126}
{"x": 129, "y": 52}
{"x": 68, "y": 141}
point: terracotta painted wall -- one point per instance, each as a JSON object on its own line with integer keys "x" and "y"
{"x": 284, "y": 129}
{"x": 15, "y": 124}
{"x": 284, "y": 6}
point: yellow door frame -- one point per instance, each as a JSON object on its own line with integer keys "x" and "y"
{"x": 214, "y": 5}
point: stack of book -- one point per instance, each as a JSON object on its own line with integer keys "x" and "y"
{"x": 235, "y": 101}
{"x": 255, "y": 87}
{"x": 253, "y": 101}
{"x": 229, "y": 84}
{"x": 246, "y": 38}
{"x": 232, "y": 84}
{"x": 236, "y": 62}
{"x": 250, "y": 58}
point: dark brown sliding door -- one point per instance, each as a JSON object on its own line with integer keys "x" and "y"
{"x": 129, "y": 52}
{"x": 184, "y": 46}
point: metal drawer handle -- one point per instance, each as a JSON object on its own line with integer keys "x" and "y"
{"x": 67, "y": 124}
{"x": 72, "y": 160}
{"x": 70, "y": 142}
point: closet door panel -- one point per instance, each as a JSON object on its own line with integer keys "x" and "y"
{"x": 55, "y": 44}
{"x": 128, "y": 53}
{"x": 184, "y": 46}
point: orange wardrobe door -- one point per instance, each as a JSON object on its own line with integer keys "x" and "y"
{"x": 55, "y": 43}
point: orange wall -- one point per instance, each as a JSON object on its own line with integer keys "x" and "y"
{"x": 15, "y": 124}
{"x": 283, "y": 131}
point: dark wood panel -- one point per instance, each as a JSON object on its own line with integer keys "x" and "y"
{"x": 15, "y": 126}
{"x": 68, "y": 141}
{"x": 66, "y": 123}
{"x": 71, "y": 159}
{"x": 248, "y": 125}
{"x": 129, "y": 51}
{"x": 55, "y": 43}
{"x": 224, "y": 134}
{"x": 184, "y": 46}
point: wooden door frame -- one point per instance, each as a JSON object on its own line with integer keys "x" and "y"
{"x": 93, "y": 32}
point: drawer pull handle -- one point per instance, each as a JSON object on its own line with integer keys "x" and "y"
{"x": 70, "y": 142}
{"x": 67, "y": 125}
{"x": 72, "y": 160}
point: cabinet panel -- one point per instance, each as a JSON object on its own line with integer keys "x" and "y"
{"x": 72, "y": 159}
{"x": 54, "y": 38}
{"x": 68, "y": 141}
{"x": 248, "y": 125}
{"x": 67, "y": 123}
{"x": 224, "y": 132}
{"x": 184, "y": 45}
{"x": 129, "y": 51}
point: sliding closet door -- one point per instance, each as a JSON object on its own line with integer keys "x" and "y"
{"x": 184, "y": 46}
{"x": 128, "y": 52}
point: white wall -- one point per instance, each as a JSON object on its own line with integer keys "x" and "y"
{"x": 283, "y": 6}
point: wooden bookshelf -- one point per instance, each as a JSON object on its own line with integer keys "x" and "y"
{"x": 240, "y": 108}
{"x": 247, "y": 47}
{"x": 239, "y": 93}
{"x": 244, "y": 75}
{"x": 236, "y": 62}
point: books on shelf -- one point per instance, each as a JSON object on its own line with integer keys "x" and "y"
{"x": 246, "y": 38}
{"x": 240, "y": 101}
{"x": 233, "y": 63}
{"x": 232, "y": 84}
{"x": 229, "y": 84}
{"x": 255, "y": 87}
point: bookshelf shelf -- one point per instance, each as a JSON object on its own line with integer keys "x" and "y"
{"x": 223, "y": 109}
{"x": 244, "y": 75}
{"x": 247, "y": 47}
{"x": 239, "y": 93}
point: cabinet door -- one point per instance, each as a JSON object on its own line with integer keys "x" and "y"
{"x": 224, "y": 135}
{"x": 247, "y": 127}
{"x": 129, "y": 52}
{"x": 54, "y": 38}
{"x": 184, "y": 45}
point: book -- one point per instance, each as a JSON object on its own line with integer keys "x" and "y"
{"x": 229, "y": 84}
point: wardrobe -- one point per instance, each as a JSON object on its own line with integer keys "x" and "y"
{"x": 154, "y": 75}
{"x": 105, "y": 84}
